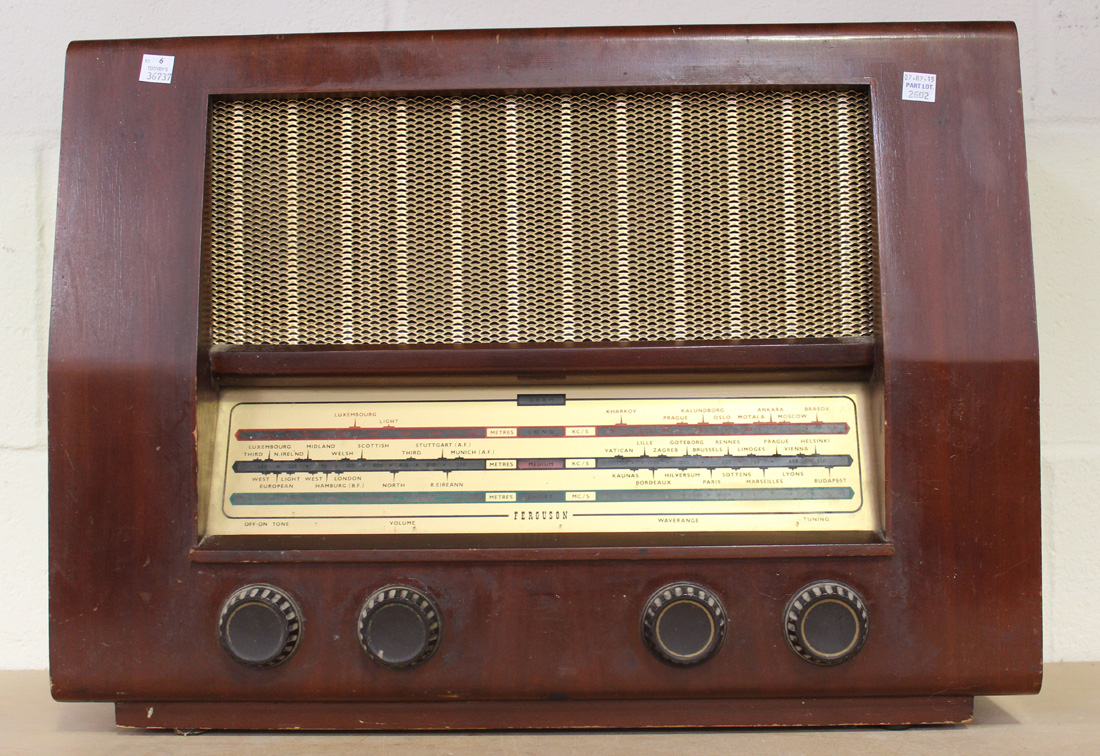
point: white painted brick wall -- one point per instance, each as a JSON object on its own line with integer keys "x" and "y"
{"x": 1060, "y": 47}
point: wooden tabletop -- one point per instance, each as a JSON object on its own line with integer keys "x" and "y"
{"x": 1064, "y": 719}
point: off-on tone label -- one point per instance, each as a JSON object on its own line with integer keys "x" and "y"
{"x": 608, "y": 460}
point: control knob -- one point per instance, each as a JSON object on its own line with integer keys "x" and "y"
{"x": 826, "y": 622}
{"x": 684, "y": 624}
{"x": 399, "y": 626}
{"x": 260, "y": 625}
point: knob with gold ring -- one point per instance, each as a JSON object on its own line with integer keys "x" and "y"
{"x": 826, "y": 622}
{"x": 684, "y": 624}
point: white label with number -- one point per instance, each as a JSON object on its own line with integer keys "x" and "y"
{"x": 918, "y": 86}
{"x": 157, "y": 69}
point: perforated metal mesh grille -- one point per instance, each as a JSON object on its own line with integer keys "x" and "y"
{"x": 541, "y": 218}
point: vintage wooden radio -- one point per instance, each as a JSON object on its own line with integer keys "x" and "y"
{"x": 545, "y": 378}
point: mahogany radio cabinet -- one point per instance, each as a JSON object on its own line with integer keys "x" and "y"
{"x": 561, "y": 378}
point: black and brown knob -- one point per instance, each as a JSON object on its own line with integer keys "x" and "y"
{"x": 260, "y": 625}
{"x": 826, "y": 622}
{"x": 399, "y": 626}
{"x": 684, "y": 624}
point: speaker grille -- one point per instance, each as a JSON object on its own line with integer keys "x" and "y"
{"x": 648, "y": 216}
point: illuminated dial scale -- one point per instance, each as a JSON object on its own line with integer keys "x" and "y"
{"x": 551, "y": 460}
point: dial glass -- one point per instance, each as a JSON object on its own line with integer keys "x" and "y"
{"x": 593, "y": 459}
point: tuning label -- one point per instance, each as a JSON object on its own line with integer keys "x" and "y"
{"x": 590, "y": 459}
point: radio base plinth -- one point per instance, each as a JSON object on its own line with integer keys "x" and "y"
{"x": 522, "y": 715}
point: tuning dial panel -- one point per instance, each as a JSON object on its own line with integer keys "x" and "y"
{"x": 826, "y": 622}
{"x": 399, "y": 627}
{"x": 684, "y": 624}
{"x": 260, "y": 626}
